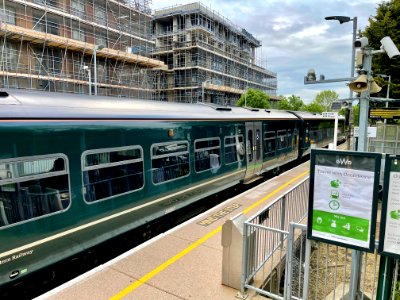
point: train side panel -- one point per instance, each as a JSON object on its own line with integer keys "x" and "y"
{"x": 167, "y": 165}
{"x": 281, "y": 143}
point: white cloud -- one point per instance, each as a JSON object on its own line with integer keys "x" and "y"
{"x": 281, "y": 23}
{"x": 311, "y": 32}
{"x": 295, "y": 37}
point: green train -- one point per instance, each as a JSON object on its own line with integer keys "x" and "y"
{"x": 76, "y": 170}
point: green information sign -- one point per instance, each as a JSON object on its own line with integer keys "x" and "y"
{"x": 343, "y": 198}
{"x": 389, "y": 241}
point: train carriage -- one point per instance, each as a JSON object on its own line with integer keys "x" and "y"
{"x": 78, "y": 170}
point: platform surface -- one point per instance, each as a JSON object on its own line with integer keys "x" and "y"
{"x": 183, "y": 263}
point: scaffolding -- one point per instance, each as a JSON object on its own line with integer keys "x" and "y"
{"x": 185, "y": 53}
{"x": 208, "y": 57}
{"x": 52, "y": 45}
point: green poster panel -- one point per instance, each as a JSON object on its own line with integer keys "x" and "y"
{"x": 343, "y": 198}
{"x": 389, "y": 240}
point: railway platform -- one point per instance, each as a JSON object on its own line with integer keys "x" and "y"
{"x": 183, "y": 263}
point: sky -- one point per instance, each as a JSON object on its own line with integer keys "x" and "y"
{"x": 296, "y": 37}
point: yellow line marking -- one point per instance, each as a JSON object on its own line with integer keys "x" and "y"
{"x": 161, "y": 267}
{"x": 254, "y": 205}
{"x": 194, "y": 245}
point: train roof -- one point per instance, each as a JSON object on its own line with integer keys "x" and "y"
{"x": 312, "y": 116}
{"x": 29, "y": 104}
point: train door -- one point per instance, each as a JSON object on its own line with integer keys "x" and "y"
{"x": 253, "y": 149}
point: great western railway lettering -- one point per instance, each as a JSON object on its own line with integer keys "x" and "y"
{"x": 219, "y": 215}
{"x": 15, "y": 256}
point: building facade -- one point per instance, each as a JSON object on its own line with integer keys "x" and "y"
{"x": 81, "y": 46}
{"x": 209, "y": 58}
{"x": 186, "y": 53}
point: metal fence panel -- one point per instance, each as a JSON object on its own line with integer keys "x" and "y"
{"x": 264, "y": 241}
{"x": 276, "y": 249}
{"x": 327, "y": 273}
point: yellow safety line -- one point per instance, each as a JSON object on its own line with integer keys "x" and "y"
{"x": 194, "y": 245}
{"x": 254, "y": 205}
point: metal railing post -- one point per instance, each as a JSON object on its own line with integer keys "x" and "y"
{"x": 244, "y": 257}
{"x": 283, "y": 212}
{"x": 307, "y": 268}
{"x": 287, "y": 294}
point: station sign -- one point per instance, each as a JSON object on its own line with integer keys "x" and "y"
{"x": 389, "y": 241}
{"x": 384, "y": 113}
{"x": 343, "y": 198}
{"x": 329, "y": 114}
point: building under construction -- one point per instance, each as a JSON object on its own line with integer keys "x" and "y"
{"x": 209, "y": 58}
{"x": 186, "y": 53}
{"x": 81, "y": 46}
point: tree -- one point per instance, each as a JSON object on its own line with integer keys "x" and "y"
{"x": 291, "y": 103}
{"x": 315, "y": 107}
{"x": 254, "y": 98}
{"x": 296, "y": 103}
{"x": 284, "y": 104}
{"x": 326, "y": 98}
{"x": 356, "y": 112}
{"x": 386, "y": 22}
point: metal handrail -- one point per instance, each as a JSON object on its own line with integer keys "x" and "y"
{"x": 260, "y": 230}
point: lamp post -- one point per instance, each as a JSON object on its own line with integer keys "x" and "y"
{"x": 341, "y": 20}
{"x": 95, "y": 49}
{"x": 389, "y": 77}
{"x": 344, "y": 19}
{"x": 86, "y": 68}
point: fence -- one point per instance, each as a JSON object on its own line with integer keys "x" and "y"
{"x": 387, "y": 139}
{"x": 316, "y": 270}
{"x": 276, "y": 249}
{"x": 264, "y": 240}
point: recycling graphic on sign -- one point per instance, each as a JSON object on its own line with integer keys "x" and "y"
{"x": 342, "y": 199}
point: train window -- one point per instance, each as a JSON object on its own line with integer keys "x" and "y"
{"x": 169, "y": 161}
{"x": 314, "y": 135}
{"x": 250, "y": 145}
{"x": 295, "y": 138}
{"x": 234, "y": 149}
{"x": 111, "y": 172}
{"x": 281, "y": 140}
{"x": 289, "y": 138}
{"x": 32, "y": 187}
{"x": 269, "y": 142}
{"x": 207, "y": 154}
{"x": 258, "y": 144}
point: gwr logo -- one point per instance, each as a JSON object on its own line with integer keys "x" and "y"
{"x": 343, "y": 161}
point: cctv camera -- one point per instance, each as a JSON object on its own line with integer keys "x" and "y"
{"x": 311, "y": 75}
{"x": 390, "y": 48}
{"x": 361, "y": 42}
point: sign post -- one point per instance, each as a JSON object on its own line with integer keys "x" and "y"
{"x": 343, "y": 198}
{"x": 389, "y": 239}
{"x": 390, "y": 220}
